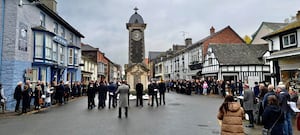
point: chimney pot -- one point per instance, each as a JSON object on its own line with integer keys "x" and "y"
{"x": 298, "y": 15}
{"x": 212, "y": 30}
{"x": 188, "y": 41}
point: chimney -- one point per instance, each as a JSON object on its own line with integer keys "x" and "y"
{"x": 50, "y": 4}
{"x": 212, "y": 30}
{"x": 188, "y": 41}
{"x": 298, "y": 16}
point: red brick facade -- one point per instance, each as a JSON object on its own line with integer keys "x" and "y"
{"x": 224, "y": 36}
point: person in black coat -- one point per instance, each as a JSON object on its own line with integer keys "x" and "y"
{"x": 90, "y": 94}
{"x": 271, "y": 113}
{"x": 38, "y": 96}
{"x": 112, "y": 100}
{"x": 60, "y": 91}
{"x": 154, "y": 93}
{"x": 26, "y": 98}
{"x": 162, "y": 90}
{"x": 102, "y": 90}
{"x": 67, "y": 92}
{"x": 139, "y": 93}
{"x": 18, "y": 96}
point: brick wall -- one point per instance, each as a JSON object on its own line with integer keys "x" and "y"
{"x": 226, "y": 35}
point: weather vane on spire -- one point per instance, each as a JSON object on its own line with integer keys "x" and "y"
{"x": 136, "y": 9}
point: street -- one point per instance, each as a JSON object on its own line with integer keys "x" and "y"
{"x": 182, "y": 115}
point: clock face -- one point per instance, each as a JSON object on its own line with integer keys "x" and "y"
{"x": 136, "y": 35}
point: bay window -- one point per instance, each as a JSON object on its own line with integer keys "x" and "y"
{"x": 71, "y": 56}
{"x": 48, "y": 47}
{"x": 54, "y": 51}
{"x": 38, "y": 45}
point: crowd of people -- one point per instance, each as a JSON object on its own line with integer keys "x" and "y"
{"x": 264, "y": 104}
{"x": 206, "y": 86}
{"x": 40, "y": 95}
{"x": 274, "y": 112}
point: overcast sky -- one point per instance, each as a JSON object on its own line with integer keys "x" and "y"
{"x": 103, "y": 22}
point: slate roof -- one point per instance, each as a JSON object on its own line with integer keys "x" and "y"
{"x": 153, "y": 55}
{"x": 59, "y": 19}
{"x": 233, "y": 54}
{"x": 291, "y": 26}
{"x": 272, "y": 25}
{"x": 87, "y": 47}
{"x": 136, "y": 18}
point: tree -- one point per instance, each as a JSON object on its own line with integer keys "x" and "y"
{"x": 247, "y": 39}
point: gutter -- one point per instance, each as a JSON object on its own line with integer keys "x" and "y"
{"x": 2, "y": 34}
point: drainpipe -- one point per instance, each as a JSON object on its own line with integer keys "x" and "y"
{"x": 2, "y": 34}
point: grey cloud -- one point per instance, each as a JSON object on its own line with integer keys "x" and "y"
{"x": 103, "y": 22}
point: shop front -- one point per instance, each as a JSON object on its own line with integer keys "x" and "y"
{"x": 290, "y": 72}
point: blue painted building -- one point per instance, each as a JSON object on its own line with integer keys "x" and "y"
{"x": 36, "y": 44}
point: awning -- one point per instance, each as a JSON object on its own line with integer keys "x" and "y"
{"x": 285, "y": 53}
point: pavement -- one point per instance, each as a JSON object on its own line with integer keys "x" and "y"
{"x": 11, "y": 114}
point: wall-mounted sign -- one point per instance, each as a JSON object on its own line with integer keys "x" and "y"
{"x": 60, "y": 40}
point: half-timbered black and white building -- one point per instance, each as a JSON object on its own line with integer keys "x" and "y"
{"x": 237, "y": 62}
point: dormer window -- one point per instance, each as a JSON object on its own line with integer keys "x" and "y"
{"x": 289, "y": 40}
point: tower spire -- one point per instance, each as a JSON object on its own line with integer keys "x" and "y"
{"x": 136, "y": 9}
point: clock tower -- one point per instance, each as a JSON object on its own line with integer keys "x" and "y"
{"x": 136, "y": 70}
{"x": 136, "y": 27}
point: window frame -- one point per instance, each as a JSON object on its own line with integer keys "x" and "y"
{"x": 71, "y": 56}
{"x": 288, "y": 37}
{"x": 55, "y": 27}
{"x": 48, "y": 47}
{"x": 38, "y": 50}
{"x": 42, "y": 19}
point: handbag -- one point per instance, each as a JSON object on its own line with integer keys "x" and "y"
{"x": 268, "y": 131}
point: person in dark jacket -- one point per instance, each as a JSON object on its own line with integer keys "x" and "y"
{"x": 60, "y": 91}
{"x": 139, "y": 93}
{"x": 26, "y": 97}
{"x": 154, "y": 94}
{"x": 38, "y": 96}
{"x": 150, "y": 92}
{"x": 67, "y": 92}
{"x": 18, "y": 96}
{"x": 102, "y": 90}
{"x": 284, "y": 97}
{"x": 271, "y": 113}
{"x": 162, "y": 90}
{"x": 112, "y": 100}
{"x": 90, "y": 94}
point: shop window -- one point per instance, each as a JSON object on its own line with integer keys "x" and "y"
{"x": 34, "y": 75}
{"x": 43, "y": 75}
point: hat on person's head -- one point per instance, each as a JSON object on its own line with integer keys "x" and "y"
{"x": 20, "y": 83}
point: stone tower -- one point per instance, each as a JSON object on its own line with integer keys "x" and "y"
{"x": 136, "y": 27}
{"x": 136, "y": 70}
